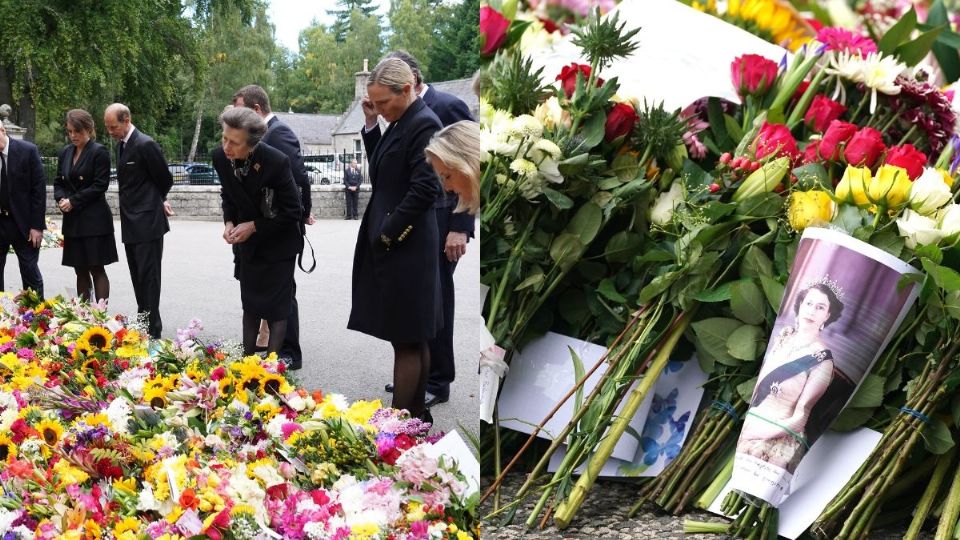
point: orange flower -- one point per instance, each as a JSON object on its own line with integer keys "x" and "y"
{"x": 189, "y": 499}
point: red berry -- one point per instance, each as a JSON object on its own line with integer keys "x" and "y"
{"x": 714, "y": 187}
{"x": 754, "y": 165}
{"x": 778, "y": 188}
{"x": 725, "y": 158}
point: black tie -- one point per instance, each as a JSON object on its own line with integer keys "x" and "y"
{"x": 119, "y": 152}
{"x": 4, "y": 185}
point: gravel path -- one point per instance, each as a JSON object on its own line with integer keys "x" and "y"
{"x": 603, "y": 516}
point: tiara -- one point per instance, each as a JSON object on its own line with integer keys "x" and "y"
{"x": 831, "y": 284}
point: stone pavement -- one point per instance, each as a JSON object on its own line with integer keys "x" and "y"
{"x": 603, "y": 516}
{"x": 198, "y": 281}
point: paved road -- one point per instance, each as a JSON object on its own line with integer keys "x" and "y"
{"x": 198, "y": 282}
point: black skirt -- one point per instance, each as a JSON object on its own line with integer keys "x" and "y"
{"x": 266, "y": 288}
{"x": 80, "y": 251}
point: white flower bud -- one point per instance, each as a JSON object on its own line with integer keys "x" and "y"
{"x": 928, "y": 193}
{"x": 918, "y": 230}
{"x": 662, "y": 211}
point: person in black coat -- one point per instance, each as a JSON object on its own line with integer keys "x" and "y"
{"x": 280, "y": 136}
{"x": 454, "y": 230}
{"x": 144, "y": 181}
{"x": 352, "y": 178}
{"x": 83, "y": 175}
{"x": 23, "y": 201}
{"x": 261, "y": 216}
{"x": 396, "y": 282}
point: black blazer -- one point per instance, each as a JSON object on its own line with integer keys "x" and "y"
{"x": 277, "y": 238}
{"x": 281, "y": 137}
{"x": 352, "y": 177}
{"x": 28, "y": 191}
{"x": 85, "y": 184}
{"x": 450, "y": 109}
{"x": 144, "y": 180}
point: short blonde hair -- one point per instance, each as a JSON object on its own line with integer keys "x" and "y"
{"x": 458, "y": 147}
{"x": 393, "y": 73}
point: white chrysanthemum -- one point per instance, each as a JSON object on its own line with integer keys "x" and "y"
{"x": 7, "y": 401}
{"x": 7, "y": 418}
{"x": 550, "y": 171}
{"x": 31, "y": 448}
{"x": 536, "y": 40}
{"x": 214, "y": 442}
{"x": 296, "y": 402}
{"x": 525, "y": 126}
{"x": 532, "y": 186}
{"x": 546, "y": 147}
{"x": 523, "y": 167}
{"x": 246, "y": 490}
{"x": 119, "y": 413}
{"x": 848, "y": 65}
{"x": 133, "y": 380}
{"x": 269, "y": 474}
{"x": 880, "y": 73}
{"x": 275, "y": 426}
{"x": 146, "y": 502}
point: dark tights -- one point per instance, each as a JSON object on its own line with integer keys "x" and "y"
{"x": 251, "y": 327}
{"x": 411, "y": 366}
{"x": 95, "y": 278}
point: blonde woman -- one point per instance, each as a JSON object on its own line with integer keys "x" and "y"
{"x": 454, "y": 152}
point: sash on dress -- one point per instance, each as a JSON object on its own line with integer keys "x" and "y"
{"x": 786, "y": 371}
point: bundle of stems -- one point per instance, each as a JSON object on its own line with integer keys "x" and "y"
{"x": 694, "y": 468}
{"x": 852, "y": 512}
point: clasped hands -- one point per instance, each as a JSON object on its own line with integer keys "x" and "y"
{"x": 239, "y": 233}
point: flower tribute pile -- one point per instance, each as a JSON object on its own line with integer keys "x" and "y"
{"x": 106, "y": 435}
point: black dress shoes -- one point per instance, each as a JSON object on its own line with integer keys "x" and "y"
{"x": 388, "y": 387}
{"x": 291, "y": 364}
{"x": 434, "y": 399}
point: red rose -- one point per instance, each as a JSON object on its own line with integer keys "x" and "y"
{"x": 909, "y": 158}
{"x": 568, "y": 77}
{"x": 864, "y": 148}
{"x": 493, "y": 28}
{"x": 776, "y": 139}
{"x": 822, "y": 111}
{"x": 837, "y": 134}
{"x": 620, "y": 121}
{"x": 811, "y": 154}
{"x": 752, "y": 74}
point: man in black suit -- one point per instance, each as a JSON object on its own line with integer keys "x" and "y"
{"x": 144, "y": 181}
{"x": 454, "y": 228}
{"x": 23, "y": 201}
{"x": 281, "y": 137}
{"x": 352, "y": 177}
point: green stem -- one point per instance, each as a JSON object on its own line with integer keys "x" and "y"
{"x": 515, "y": 254}
{"x": 704, "y": 527}
{"x": 929, "y": 495}
{"x": 906, "y": 136}
{"x": 713, "y": 490}
{"x": 568, "y": 508}
{"x": 951, "y": 510}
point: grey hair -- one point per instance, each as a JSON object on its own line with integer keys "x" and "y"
{"x": 120, "y": 111}
{"x": 393, "y": 73}
{"x": 246, "y": 120}
{"x": 458, "y": 146}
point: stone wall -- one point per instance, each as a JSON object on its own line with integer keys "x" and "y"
{"x": 203, "y": 202}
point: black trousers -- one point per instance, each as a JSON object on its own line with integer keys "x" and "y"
{"x": 144, "y": 260}
{"x": 27, "y": 255}
{"x": 353, "y": 197}
{"x": 442, "y": 366}
{"x": 291, "y": 341}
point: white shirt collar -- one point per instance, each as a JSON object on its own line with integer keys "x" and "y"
{"x": 424, "y": 91}
{"x": 126, "y": 137}
{"x": 268, "y": 117}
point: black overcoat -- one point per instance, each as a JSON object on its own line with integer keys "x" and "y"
{"x": 144, "y": 180}
{"x": 85, "y": 183}
{"x": 396, "y": 280}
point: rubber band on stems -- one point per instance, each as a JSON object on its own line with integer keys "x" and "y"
{"x": 916, "y": 414}
{"x": 727, "y": 408}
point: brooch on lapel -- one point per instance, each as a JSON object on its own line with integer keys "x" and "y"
{"x": 256, "y": 167}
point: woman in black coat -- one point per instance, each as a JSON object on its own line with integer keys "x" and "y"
{"x": 83, "y": 175}
{"x": 261, "y": 215}
{"x": 396, "y": 280}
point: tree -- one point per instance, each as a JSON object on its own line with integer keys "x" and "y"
{"x": 343, "y": 15}
{"x": 454, "y": 52}
{"x": 412, "y": 25}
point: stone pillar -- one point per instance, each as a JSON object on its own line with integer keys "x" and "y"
{"x": 13, "y": 130}
{"x": 360, "y": 84}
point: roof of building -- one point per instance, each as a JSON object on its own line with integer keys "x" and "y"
{"x": 353, "y": 119}
{"x": 311, "y": 128}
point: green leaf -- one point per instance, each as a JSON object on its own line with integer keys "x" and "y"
{"x": 898, "y": 33}
{"x": 594, "y": 129}
{"x": 712, "y": 335}
{"x": 913, "y": 52}
{"x": 851, "y": 418}
{"x": 694, "y": 176}
{"x": 565, "y": 249}
{"x": 586, "y": 222}
{"x": 717, "y": 125}
{"x": 625, "y": 166}
{"x": 746, "y": 342}
{"x": 609, "y": 290}
{"x": 733, "y": 128}
{"x": 955, "y": 409}
{"x": 811, "y": 175}
{"x": 936, "y": 437}
{"x": 713, "y": 211}
{"x": 773, "y": 290}
{"x": 747, "y": 302}
{"x": 952, "y": 305}
{"x": 578, "y": 373}
{"x": 656, "y": 286}
{"x": 533, "y": 280}
{"x": 609, "y": 182}
{"x": 756, "y": 263}
{"x": 945, "y": 278}
{"x": 558, "y": 199}
{"x": 848, "y": 218}
{"x": 945, "y": 53}
{"x": 762, "y": 205}
{"x": 719, "y": 294}
{"x": 869, "y": 394}
{"x": 888, "y": 241}
{"x": 931, "y": 251}
{"x": 745, "y": 389}
{"x": 622, "y": 246}
{"x": 656, "y": 255}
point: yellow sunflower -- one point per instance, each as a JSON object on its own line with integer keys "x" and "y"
{"x": 30, "y": 414}
{"x": 128, "y": 524}
{"x": 155, "y": 396}
{"x": 81, "y": 349}
{"x": 8, "y": 450}
{"x": 271, "y": 384}
{"x": 226, "y": 385}
{"x": 99, "y": 338}
{"x": 776, "y": 21}
{"x": 50, "y": 431}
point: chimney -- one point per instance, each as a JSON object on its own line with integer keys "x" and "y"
{"x": 360, "y": 88}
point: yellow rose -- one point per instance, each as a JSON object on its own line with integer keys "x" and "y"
{"x": 808, "y": 208}
{"x": 947, "y": 179}
{"x": 853, "y": 186}
{"x": 891, "y": 186}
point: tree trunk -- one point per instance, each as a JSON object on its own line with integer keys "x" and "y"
{"x": 27, "y": 117}
{"x": 196, "y": 132}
